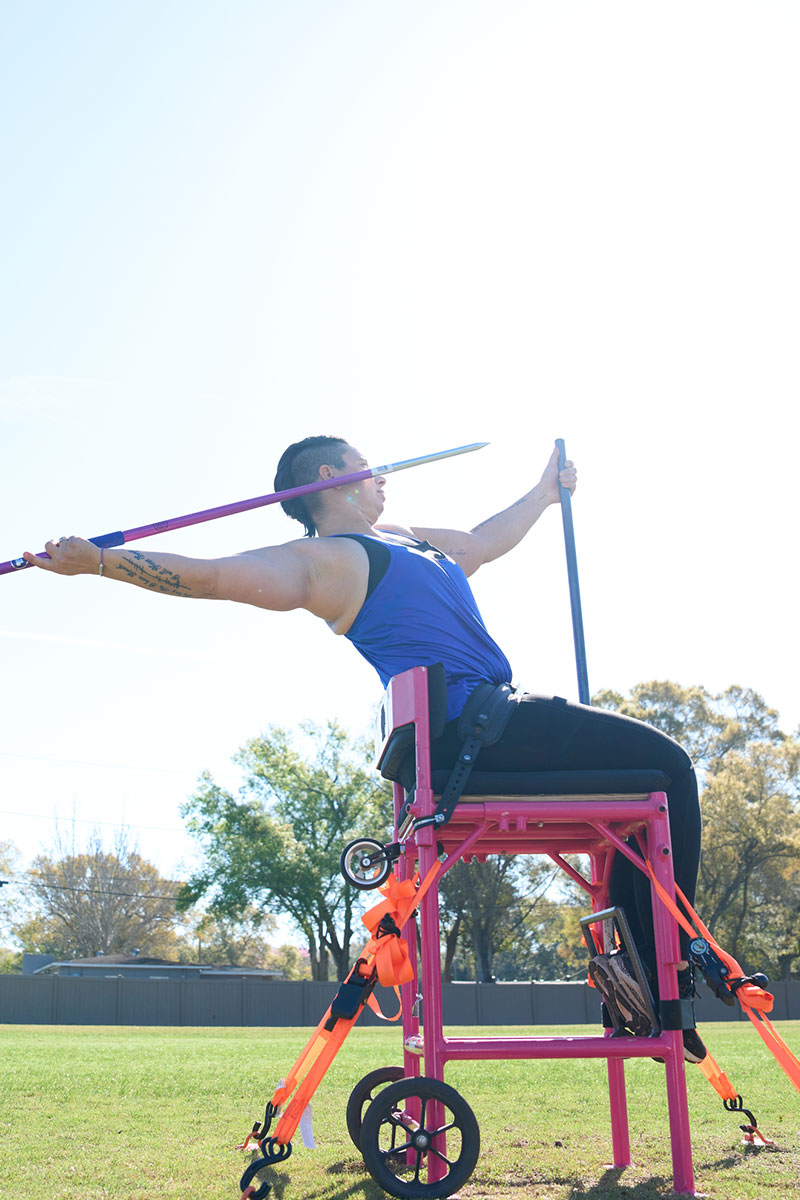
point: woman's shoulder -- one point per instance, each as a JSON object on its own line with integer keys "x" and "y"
{"x": 395, "y": 531}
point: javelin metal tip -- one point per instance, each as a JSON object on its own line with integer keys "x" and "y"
{"x": 388, "y": 468}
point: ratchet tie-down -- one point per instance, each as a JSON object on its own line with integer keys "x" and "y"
{"x": 384, "y": 960}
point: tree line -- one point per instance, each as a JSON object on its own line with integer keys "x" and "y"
{"x": 273, "y": 851}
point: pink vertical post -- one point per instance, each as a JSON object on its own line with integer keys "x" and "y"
{"x": 433, "y": 1011}
{"x": 665, "y": 928}
{"x": 408, "y": 991}
{"x": 409, "y": 705}
{"x": 617, "y": 1094}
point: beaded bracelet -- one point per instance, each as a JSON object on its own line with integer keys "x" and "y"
{"x": 101, "y": 570}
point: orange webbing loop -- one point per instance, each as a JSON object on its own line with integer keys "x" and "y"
{"x": 386, "y": 957}
{"x": 390, "y": 952}
{"x": 376, "y": 1008}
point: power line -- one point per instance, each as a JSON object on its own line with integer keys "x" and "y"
{"x": 64, "y": 887}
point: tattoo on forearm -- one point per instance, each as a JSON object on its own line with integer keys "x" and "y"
{"x": 146, "y": 572}
{"x": 488, "y": 521}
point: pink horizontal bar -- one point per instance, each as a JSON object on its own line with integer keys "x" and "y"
{"x": 528, "y": 846}
{"x": 553, "y": 809}
{"x": 554, "y": 830}
{"x": 555, "y": 1047}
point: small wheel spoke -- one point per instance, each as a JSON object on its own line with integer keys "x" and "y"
{"x": 435, "y": 1132}
{"x": 443, "y": 1157}
{"x": 395, "y": 1150}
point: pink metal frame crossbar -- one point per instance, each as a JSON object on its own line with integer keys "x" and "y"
{"x": 597, "y": 826}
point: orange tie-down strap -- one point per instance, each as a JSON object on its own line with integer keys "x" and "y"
{"x": 383, "y": 960}
{"x": 733, "y": 1101}
{"x": 755, "y": 1001}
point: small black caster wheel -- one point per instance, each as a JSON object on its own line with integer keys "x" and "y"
{"x": 363, "y": 1094}
{"x": 414, "y": 1125}
{"x": 364, "y": 863}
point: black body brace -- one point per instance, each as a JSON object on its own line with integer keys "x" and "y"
{"x": 482, "y": 723}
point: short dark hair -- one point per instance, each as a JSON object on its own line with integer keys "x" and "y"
{"x": 299, "y": 464}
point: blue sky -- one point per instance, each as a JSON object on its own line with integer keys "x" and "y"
{"x": 228, "y": 226}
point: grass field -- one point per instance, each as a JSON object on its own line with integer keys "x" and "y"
{"x": 151, "y": 1114}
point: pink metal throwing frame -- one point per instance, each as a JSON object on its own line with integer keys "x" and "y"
{"x": 597, "y": 826}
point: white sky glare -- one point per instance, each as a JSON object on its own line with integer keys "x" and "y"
{"x": 226, "y": 227}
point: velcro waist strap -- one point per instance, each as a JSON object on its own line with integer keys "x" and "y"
{"x": 482, "y": 723}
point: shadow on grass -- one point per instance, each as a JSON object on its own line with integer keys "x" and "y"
{"x": 362, "y": 1183}
{"x": 610, "y": 1186}
{"x": 736, "y": 1159}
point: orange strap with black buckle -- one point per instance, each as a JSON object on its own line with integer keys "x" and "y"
{"x": 384, "y": 960}
{"x": 755, "y": 1001}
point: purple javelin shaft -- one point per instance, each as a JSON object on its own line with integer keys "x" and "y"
{"x": 226, "y": 510}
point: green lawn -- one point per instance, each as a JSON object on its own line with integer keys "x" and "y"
{"x": 151, "y": 1114}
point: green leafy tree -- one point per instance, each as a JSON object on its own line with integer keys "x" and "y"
{"x": 749, "y": 882}
{"x": 546, "y": 941}
{"x": 212, "y": 938}
{"x": 276, "y": 847}
{"x": 98, "y": 901}
{"x": 10, "y": 958}
{"x": 477, "y": 900}
{"x": 708, "y": 726}
{"x": 290, "y": 960}
{"x": 9, "y": 865}
{"x": 490, "y": 910}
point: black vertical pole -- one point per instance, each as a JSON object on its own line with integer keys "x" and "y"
{"x": 574, "y": 588}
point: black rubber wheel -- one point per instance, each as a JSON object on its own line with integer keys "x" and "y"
{"x": 364, "y": 863}
{"x": 397, "y": 1148}
{"x": 363, "y": 1094}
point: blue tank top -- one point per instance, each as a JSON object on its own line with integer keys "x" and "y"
{"x": 422, "y": 612}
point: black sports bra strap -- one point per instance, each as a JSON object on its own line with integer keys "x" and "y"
{"x": 378, "y": 555}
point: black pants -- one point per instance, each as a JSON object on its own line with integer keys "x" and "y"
{"x": 547, "y": 733}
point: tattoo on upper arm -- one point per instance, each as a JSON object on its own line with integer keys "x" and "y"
{"x": 147, "y": 573}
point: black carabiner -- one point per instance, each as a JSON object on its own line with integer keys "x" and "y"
{"x": 273, "y": 1152}
{"x": 737, "y": 1106}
